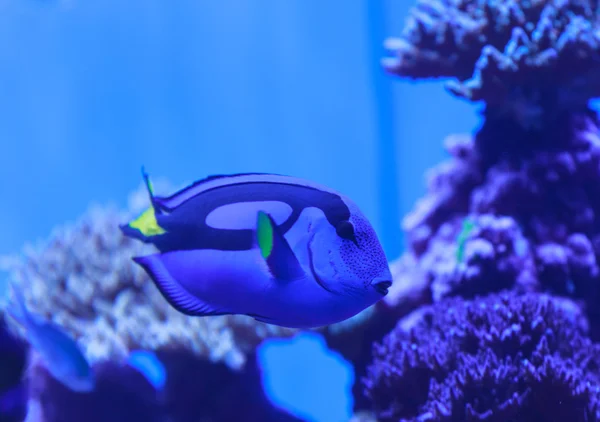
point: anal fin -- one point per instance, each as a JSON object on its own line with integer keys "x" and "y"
{"x": 177, "y": 296}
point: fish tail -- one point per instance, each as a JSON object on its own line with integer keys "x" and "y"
{"x": 145, "y": 226}
{"x": 150, "y": 190}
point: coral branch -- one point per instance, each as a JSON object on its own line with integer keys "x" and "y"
{"x": 497, "y": 358}
{"x": 519, "y": 54}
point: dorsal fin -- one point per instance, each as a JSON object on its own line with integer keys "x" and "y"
{"x": 212, "y": 178}
{"x": 171, "y": 202}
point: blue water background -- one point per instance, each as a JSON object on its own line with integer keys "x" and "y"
{"x": 91, "y": 90}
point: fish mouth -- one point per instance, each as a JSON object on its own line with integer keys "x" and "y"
{"x": 382, "y": 286}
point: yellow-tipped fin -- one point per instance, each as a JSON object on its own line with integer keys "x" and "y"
{"x": 146, "y": 223}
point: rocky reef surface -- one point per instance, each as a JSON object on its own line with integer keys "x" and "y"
{"x": 497, "y": 294}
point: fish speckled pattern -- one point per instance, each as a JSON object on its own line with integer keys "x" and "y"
{"x": 371, "y": 259}
{"x": 284, "y": 250}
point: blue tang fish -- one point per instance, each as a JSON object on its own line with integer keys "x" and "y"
{"x": 283, "y": 250}
{"x": 57, "y": 351}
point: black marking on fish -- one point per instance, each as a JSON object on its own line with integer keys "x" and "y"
{"x": 185, "y": 213}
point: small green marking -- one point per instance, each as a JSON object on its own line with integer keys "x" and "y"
{"x": 467, "y": 227}
{"x": 264, "y": 231}
{"x": 146, "y": 223}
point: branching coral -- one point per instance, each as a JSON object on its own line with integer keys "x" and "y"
{"x": 497, "y": 358}
{"x": 518, "y": 53}
{"x": 526, "y": 186}
{"x": 535, "y": 220}
{"x": 83, "y": 279}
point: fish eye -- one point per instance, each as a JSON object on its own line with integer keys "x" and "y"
{"x": 345, "y": 230}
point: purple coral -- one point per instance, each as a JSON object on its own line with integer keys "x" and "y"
{"x": 535, "y": 219}
{"x": 122, "y": 395}
{"x": 196, "y": 390}
{"x": 522, "y": 54}
{"x": 497, "y": 358}
{"x": 529, "y": 183}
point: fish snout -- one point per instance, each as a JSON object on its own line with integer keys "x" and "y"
{"x": 381, "y": 285}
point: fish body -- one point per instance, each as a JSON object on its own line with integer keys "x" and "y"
{"x": 58, "y": 352}
{"x": 281, "y": 249}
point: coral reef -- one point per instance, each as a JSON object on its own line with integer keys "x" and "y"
{"x": 530, "y": 191}
{"x": 493, "y": 312}
{"x": 13, "y": 391}
{"x": 511, "y": 214}
{"x": 121, "y": 394}
{"x": 83, "y": 279}
{"x": 518, "y": 55}
{"x": 500, "y": 357}
{"x": 363, "y": 416}
{"x": 211, "y": 397}
{"x": 196, "y": 390}
{"x": 514, "y": 210}
{"x": 354, "y": 342}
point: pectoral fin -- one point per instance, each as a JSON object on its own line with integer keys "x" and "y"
{"x": 276, "y": 251}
